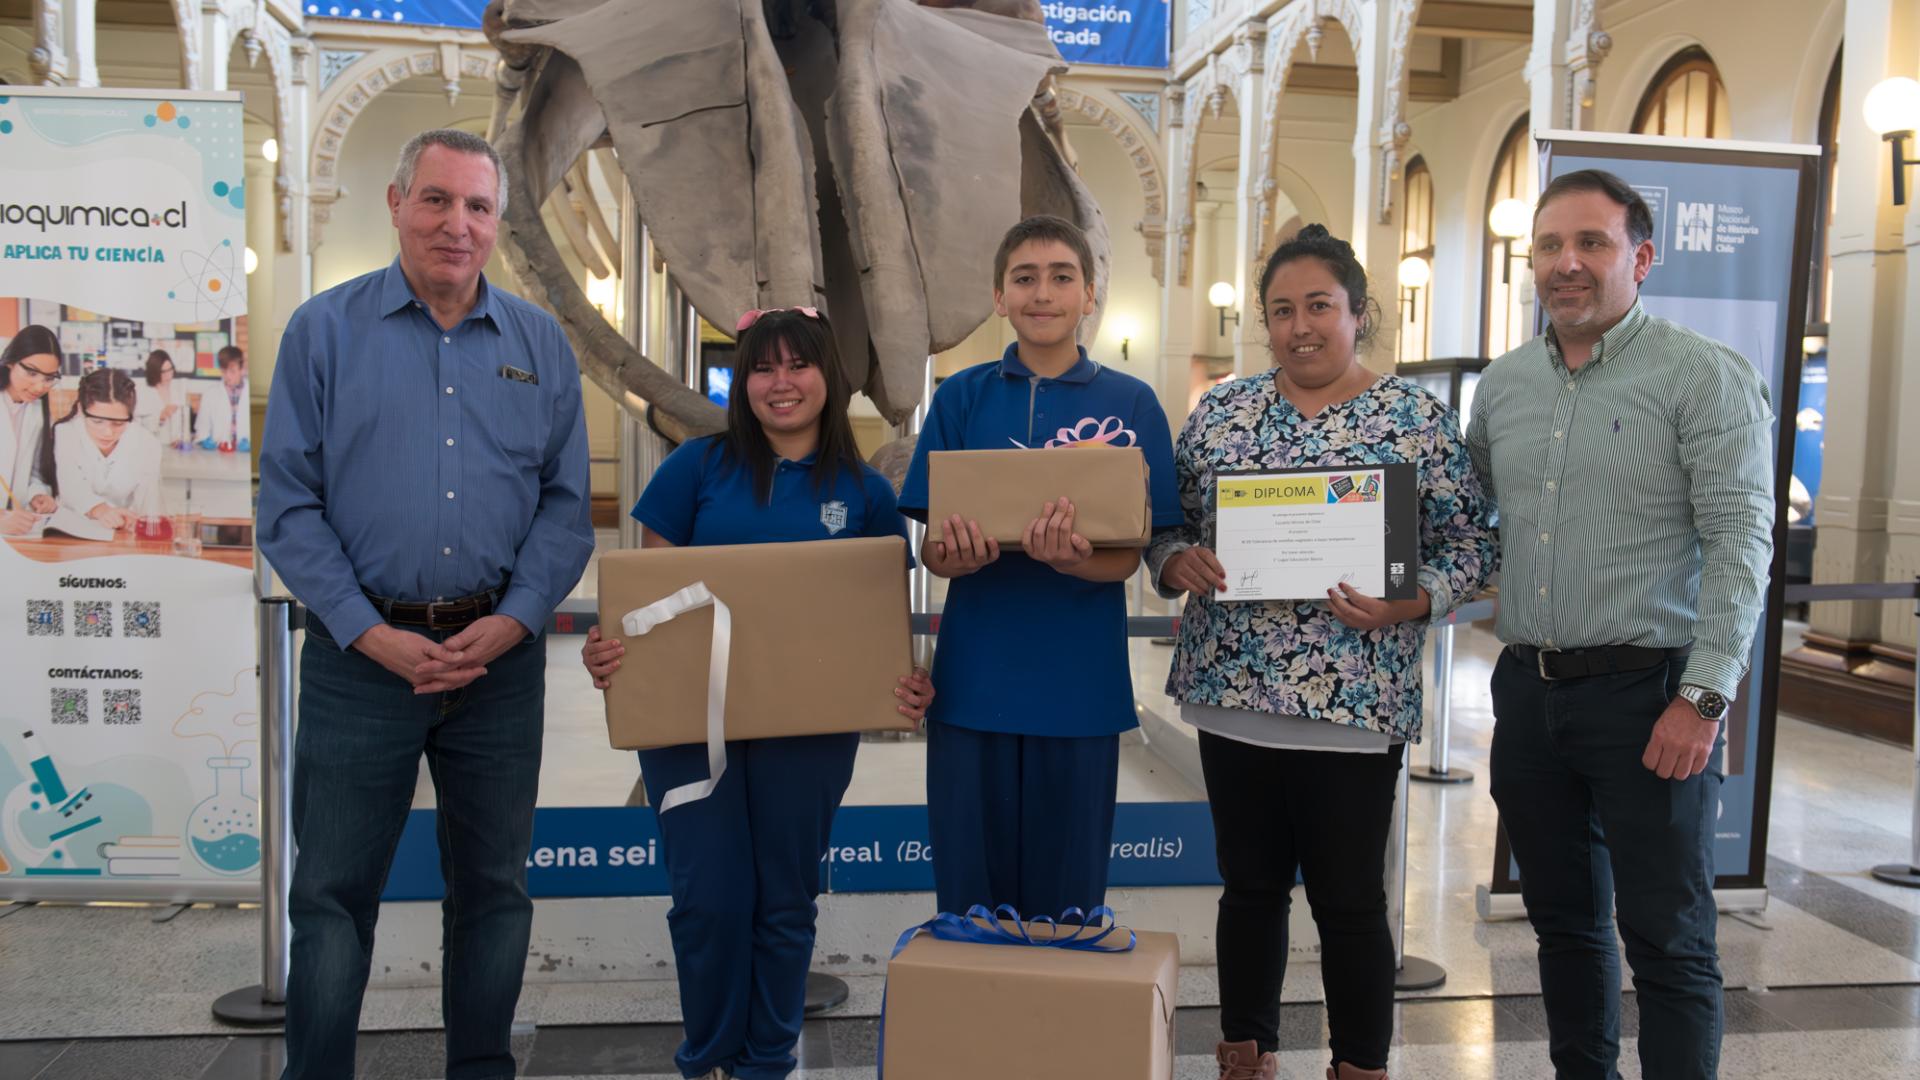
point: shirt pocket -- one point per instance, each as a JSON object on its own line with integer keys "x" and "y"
{"x": 1636, "y": 464}
{"x": 518, "y": 417}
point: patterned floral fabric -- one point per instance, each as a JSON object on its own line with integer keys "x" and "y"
{"x": 1296, "y": 659}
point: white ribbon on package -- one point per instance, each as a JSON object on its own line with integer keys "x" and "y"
{"x": 693, "y": 598}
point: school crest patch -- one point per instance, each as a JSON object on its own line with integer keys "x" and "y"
{"x": 834, "y": 516}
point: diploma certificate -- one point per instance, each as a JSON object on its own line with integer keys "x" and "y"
{"x": 1293, "y": 534}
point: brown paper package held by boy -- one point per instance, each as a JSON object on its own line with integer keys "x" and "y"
{"x": 969, "y": 1011}
{"x": 820, "y": 640}
{"x": 1004, "y": 490}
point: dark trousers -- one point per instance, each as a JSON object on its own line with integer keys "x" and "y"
{"x": 1322, "y": 816}
{"x": 1594, "y": 832}
{"x": 1025, "y": 820}
{"x": 355, "y": 765}
{"x": 743, "y": 865}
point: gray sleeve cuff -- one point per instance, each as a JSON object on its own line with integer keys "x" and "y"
{"x": 1157, "y": 562}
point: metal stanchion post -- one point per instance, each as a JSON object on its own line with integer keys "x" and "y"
{"x": 1439, "y": 736}
{"x": 265, "y": 1004}
{"x": 1909, "y": 873}
{"x": 1410, "y": 972}
{"x": 828, "y": 992}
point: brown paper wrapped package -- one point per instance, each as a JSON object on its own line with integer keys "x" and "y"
{"x": 1004, "y": 490}
{"x": 820, "y": 640}
{"x": 966, "y": 1011}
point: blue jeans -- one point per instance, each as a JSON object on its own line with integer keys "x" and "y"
{"x": 1025, "y": 820}
{"x": 1594, "y": 832}
{"x": 356, "y": 761}
{"x": 744, "y": 867}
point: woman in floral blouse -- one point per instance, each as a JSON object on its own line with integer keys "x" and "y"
{"x": 1305, "y": 709}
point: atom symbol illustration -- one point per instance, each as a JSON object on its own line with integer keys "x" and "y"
{"x": 209, "y": 282}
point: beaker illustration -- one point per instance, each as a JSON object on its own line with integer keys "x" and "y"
{"x": 224, "y": 829}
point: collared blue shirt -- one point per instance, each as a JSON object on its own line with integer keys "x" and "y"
{"x": 700, "y": 495}
{"x": 1025, "y": 649}
{"x": 400, "y": 458}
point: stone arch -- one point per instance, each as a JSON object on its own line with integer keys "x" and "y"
{"x": 348, "y": 94}
{"x": 1391, "y": 140}
{"x": 1141, "y": 149}
{"x": 1210, "y": 93}
{"x": 1303, "y": 22}
{"x": 1816, "y": 63}
{"x": 1636, "y": 76}
{"x": 264, "y": 36}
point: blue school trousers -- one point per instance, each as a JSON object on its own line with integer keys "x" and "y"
{"x": 744, "y": 869}
{"x": 1025, "y": 820}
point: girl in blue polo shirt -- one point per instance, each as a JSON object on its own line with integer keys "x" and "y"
{"x": 744, "y": 862}
{"x": 1023, "y": 748}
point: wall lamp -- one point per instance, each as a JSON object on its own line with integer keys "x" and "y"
{"x": 1510, "y": 220}
{"x": 1222, "y": 295}
{"x": 1126, "y": 328}
{"x": 1893, "y": 112}
{"x": 1415, "y": 273}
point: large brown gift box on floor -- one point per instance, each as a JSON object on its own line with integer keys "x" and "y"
{"x": 967, "y": 1011}
{"x": 1004, "y": 490}
{"x": 820, "y": 640}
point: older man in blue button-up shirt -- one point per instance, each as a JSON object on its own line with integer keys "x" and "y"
{"x": 423, "y": 490}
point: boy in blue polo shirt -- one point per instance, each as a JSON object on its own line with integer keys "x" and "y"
{"x": 1023, "y": 743}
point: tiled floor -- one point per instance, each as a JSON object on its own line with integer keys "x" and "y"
{"x": 1825, "y": 982}
{"x": 1821, "y": 1031}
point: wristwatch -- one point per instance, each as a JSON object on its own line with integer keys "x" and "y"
{"x": 1710, "y": 704}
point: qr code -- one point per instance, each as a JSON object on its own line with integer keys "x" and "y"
{"x": 120, "y": 707}
{"x": 141, "y": 618}
{"x": 69, "y": 705}
{"x": 92, "y": 618}
{"x": 45, "y": 618}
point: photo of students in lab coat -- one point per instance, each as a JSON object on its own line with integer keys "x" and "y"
{"x": 29, "y": 370}
{"x": 161, "y": 409}
{"x": 223, "y": 420}
{"x": 107, "y": 465}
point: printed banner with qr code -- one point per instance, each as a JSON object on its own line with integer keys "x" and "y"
{"x": 129, "y": 706}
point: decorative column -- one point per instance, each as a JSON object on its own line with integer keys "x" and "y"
{"x": 1846, "y": 674}
{"x": 1376, "y": 233}
{"x": 1249, "y": 66}
{"x": 63, "y": 52}
{"x": 1903, "y": 511}
{"x": 1549, "y": 77}
{"x": 83, "y": 66}
{"x": 290, "y": 186}
{"x": 1587, "y": 45}
{"x": 216, "y": 42}
{"x": 1178, "y": 327}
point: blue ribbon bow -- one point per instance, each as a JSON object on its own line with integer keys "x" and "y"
{"x": 1090, "y": 931}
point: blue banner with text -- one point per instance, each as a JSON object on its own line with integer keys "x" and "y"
{"x": 1118, "y": 33}
{"x": 616, "y": 851}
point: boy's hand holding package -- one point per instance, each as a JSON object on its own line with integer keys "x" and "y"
{"x": 960, "y": 549}
{"x": 1050, "y": 538}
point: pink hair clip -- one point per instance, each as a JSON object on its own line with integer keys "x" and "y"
{"x": 753, "y": 316}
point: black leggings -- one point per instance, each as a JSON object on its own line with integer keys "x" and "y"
{"x": 1326, "y": 815}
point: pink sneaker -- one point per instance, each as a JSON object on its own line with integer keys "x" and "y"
{"x": 1244, "y": 1061}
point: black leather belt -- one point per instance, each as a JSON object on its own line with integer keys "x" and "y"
{"x": 440, "y": 614}
{"x": 1556, "y": 664}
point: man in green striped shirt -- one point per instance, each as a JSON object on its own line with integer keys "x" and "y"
{"x": 1632, "y": 460}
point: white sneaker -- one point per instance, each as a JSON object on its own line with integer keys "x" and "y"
{"x": 717, "y": 1074}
